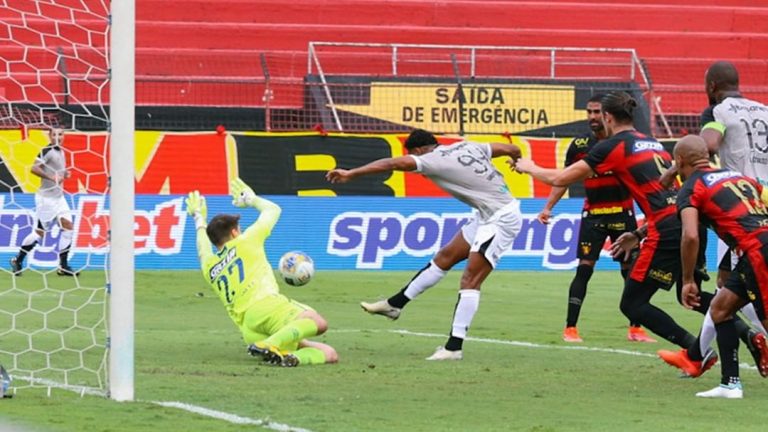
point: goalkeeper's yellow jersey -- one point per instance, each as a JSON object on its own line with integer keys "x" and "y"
{"x": 240, "y": 273}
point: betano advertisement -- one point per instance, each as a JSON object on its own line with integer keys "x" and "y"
{"x": 390, "y": 222}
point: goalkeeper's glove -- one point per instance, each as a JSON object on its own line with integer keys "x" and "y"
{"x": 242, "y": 194}
{"x": 197, "y": 208}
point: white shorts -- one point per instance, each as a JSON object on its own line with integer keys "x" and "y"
{"x": 494, "y": 236}
{"x": 49, "y": 210}
{"x": 722, "y": 249}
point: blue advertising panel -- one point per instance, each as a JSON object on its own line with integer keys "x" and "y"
{"x": 343, "y": 233}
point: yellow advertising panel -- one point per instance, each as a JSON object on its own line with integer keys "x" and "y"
{"x": 513, "y": 107}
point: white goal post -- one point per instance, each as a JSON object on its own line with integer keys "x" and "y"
{"x": 121, "y": 260}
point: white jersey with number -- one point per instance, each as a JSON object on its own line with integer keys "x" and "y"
{"x": 465, "y": 171}
{"x": 51, "y": 159}
{"x": 744, "y": 124}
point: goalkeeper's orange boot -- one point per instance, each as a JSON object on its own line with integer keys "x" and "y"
{"x": 571, "y": 334}
{"x": 691, "y": 368}
{"x": 638, "y": 334}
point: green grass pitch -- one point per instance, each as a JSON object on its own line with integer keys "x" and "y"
{"x": 188, "y": 351}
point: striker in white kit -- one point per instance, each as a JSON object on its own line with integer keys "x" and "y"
{"x": 465, "y": 171}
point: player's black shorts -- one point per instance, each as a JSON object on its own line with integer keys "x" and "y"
{"x": 595, "y": 229}
{"x": 656, "y": 267}
{"x": 749, "y": 280}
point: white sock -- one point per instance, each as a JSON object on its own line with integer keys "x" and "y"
{"x": 751, "y": 314}
{"x": 425, "y": 279}
{"x": 469, "y": 301}
{"x": 708, "y": 334}
{"x": 65, "y": 239}
{"x": 30, "y": 238}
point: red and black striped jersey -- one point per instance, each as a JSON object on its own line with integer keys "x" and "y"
{"x": 603, "y": 191}
{"x": 638, "y": 161}
{"x": 728, "y": 202}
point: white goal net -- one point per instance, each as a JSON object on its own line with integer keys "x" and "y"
{"x": 54, "y": 73}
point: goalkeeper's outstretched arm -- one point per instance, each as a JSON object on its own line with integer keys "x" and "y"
{"x": 243, "y": 196}
{"x": 197, "y": 208}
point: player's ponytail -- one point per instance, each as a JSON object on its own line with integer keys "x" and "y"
{"x": 620, "y": 105}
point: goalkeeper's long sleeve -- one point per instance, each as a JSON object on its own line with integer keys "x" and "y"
{"x": 204, "y": 247}
{"x": 270, "y": 213}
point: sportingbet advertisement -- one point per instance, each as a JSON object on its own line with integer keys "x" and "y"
{"x": 342, "y": 233}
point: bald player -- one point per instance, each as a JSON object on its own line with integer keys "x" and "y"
{"x": 276, "y": 328}
{"x": 465, "y": 171}
{"x": 733, "y": 205}
{"x": 736, "y": 129}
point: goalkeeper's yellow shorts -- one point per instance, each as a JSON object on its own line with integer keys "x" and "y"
{"x": 268, "y": 316}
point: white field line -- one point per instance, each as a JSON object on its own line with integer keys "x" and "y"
{"x": 518, "y": 343}
{"x": 207, "y": 412}
{"x": 231, "y": 418}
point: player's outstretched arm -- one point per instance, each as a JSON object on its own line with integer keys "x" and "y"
{"x": 198, "y": 209}
{"x": 511, "y": 150}
{"x": 554, "y": 177}
{"x": 402, "y": 163}
{"x": 243, "y": 196}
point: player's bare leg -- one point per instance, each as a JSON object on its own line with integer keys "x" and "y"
{"x": 448, "y": 256}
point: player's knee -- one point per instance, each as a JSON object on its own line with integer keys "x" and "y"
{"x": 322, "y": 324}
{"x": 471, "y": 281}
{"x": 446, "y": 258}
{"x": 331, "y": 356}
{"x": 719, "y": 314}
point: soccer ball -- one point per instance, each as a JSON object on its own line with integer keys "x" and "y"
{"x": 296, "y": 268}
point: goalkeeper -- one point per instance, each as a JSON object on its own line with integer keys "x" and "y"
{"x": 275, "y": 327}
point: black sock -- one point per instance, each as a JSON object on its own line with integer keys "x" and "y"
{"x": 454, "y": 343}
{"x": 635, "y": 305}
{"x": 624, "y": 274}
{"x": 577, "y": 292}
{"x": 728, "y": 346}
{"x": 694, "y": 351}
{"x": 64, "y": 258}
{"x": 398, "y": 300}
{"x": 23, "y": 251}
{"x": 742, "y": 329}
